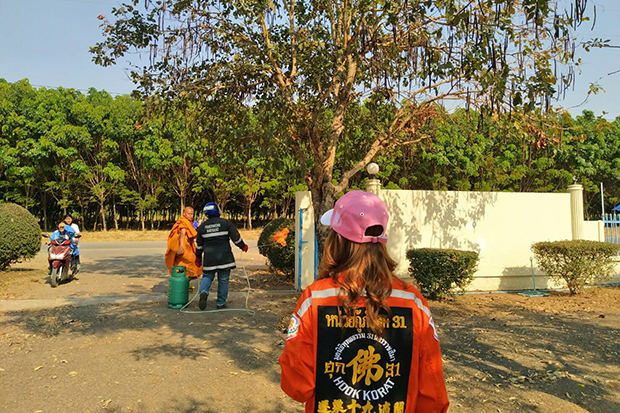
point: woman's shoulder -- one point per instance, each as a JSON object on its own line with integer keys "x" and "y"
{"x": 397, "y": 283}
{"x": 318, "y": 289}
{"x": 323, "y": 284}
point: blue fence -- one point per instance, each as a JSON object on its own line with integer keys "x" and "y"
{"x": 612, "y": 228}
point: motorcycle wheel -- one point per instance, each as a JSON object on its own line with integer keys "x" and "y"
{"x": 55, "y": 276}
{"x": 74, "y": 267}
{"x": 65, "y": 273}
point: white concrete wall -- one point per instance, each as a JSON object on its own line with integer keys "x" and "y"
{"x": 616, "y": 277}
{"x": 594, "y": 231}
{"x": 501, "y": 227}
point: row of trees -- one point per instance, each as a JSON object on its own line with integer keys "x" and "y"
{"x": 115, "y": 160}
{"x": 124, "y": 162}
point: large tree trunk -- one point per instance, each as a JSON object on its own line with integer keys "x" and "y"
{"x": 286, "y": 204}
{"x": 102, "y": 211}
{"x": 182, "y": 192}
{"x": 142, "y": 220}
{"x": 222, "y": 205}
{"x": 249, "y": 218}
{"x": 322, "y": 201}
{"x": 82, "y": 212}
{"x": 114, "y": 214}
{"x": 44, "y": 206}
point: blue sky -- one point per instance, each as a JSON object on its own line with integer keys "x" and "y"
{"x": 47, "y": 42}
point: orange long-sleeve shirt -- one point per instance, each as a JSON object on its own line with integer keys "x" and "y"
{"x": 334, "y": 365}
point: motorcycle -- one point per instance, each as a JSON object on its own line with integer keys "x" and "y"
{"x": 61, "y": 259}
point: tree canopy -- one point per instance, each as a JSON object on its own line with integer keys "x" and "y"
{"x": 348, "y": 73}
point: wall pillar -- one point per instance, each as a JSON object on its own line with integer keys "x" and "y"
{"x": 304, "y": 240}
{"x": 576, "y": 210}
{"x": 373, "y": 186}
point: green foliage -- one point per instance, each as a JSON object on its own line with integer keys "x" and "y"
{"x": 106, "y": 158}
{"x": 344, "y": 80}
{"x": 577, "y": 263}
{"x": 20, "y": 234}
{"x": 281, "y": 257}
{"x": 439, "y": 271}
{"x": 590, "y": 151}
{"x": 64, "y": 151}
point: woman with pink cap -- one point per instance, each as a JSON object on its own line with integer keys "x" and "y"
{"x": 362, "y": 340}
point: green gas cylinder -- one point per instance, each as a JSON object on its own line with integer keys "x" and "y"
{"x": 178, "y": 287}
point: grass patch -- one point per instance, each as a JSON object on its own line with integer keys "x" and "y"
{"x": 123, "y": 235}
{"x": 133, "y": 235}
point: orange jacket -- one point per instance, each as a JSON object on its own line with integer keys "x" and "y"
{"x": 334, "y": 365}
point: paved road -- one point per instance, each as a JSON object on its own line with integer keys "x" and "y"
{"x": 119, "y": 271}
{"x": 137, "y": 258}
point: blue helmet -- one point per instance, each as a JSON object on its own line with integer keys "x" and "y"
{"x": 211, "y": 210}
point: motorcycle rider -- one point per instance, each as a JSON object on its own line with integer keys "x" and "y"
{"x": 63, "y": 233}
{"x": 74, "y": 242}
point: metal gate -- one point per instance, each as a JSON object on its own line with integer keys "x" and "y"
{"x": 612, "y": 228}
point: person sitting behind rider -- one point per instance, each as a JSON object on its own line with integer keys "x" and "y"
{"x": 63, "y": 233}
{"x": 75, "y": 241}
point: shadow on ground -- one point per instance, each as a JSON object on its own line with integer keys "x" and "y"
{"x": 236, "y": 333}
{"x": 192, "y": 404}
{"x": 500, "y": 354}
{"x": 528, "y": 354}
{"x": 139, "y": 266}
{"x": 160, "y": 350}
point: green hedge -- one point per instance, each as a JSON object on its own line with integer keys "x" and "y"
{"x": 281, "y": 257}
{"x": 438, "y": 271}
{"x": 20, "y": 235}
{"x": 577, "y": 263}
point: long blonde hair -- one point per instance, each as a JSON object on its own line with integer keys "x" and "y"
{"x": 367, "y": 269}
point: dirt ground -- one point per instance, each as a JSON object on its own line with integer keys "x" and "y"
{"x": 141, "y": 358}
{"x": 502, "y": 352}
{"x": 509, "y": 353}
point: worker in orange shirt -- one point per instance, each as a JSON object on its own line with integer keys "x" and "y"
{"x": 361, "y": 340}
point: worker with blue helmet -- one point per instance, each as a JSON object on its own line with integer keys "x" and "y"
{"x": 214, "y": 254}
{"x": 211, "y": 210}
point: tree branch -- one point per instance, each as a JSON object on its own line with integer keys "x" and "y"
{"x": 376, "y": 146}
{"x": 291, "y": 16}
{"x": 283, "y": 82}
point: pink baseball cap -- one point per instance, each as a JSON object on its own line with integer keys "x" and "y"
{"x": 355, "y": 212}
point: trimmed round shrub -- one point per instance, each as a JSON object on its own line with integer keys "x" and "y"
{"x": 20, "y": 235}
{"x": 438, "y": 272}
{"x": 277, "y": 244}
{"x": 577, "y": 263}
